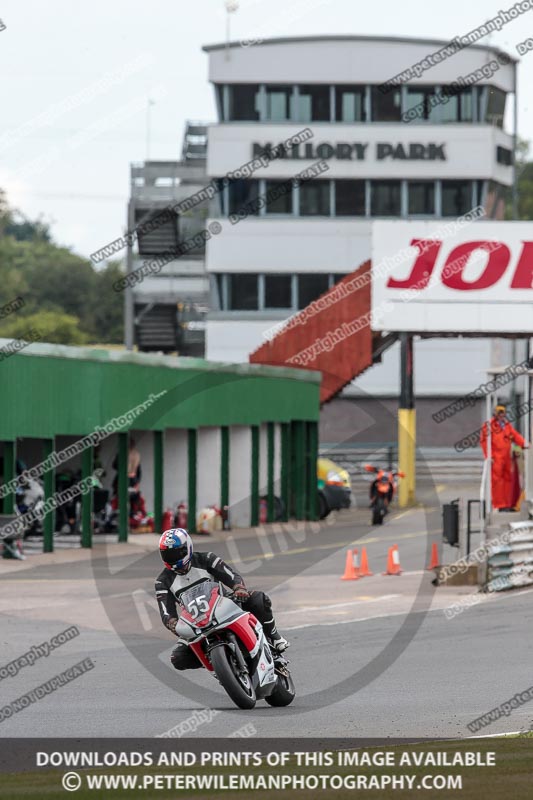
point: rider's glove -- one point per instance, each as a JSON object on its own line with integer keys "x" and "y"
{"x": 241, "y": 592}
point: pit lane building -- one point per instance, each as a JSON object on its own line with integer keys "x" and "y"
{"x": 207, "y": 433}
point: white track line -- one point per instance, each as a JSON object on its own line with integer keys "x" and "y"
{"x": 352, "y": 621}
{"x": 383, "y": 616}
{"x": 304, "y": 609}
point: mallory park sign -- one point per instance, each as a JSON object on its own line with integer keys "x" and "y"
{"x": 356, "y": 151}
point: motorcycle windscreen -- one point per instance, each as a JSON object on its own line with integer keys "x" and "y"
{"x": 199, "y": 601}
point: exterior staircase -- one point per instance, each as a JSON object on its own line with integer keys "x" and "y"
{"x": 156, "y": 327}
{"x": 332, "y": 335}
{"x": 162, "y": 238}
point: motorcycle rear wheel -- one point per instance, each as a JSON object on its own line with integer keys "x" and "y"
{"x": 284, "y": 692}
{"x": 240, "y": 690}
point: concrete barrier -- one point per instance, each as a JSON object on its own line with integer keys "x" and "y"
{"x": 510, "y": 565}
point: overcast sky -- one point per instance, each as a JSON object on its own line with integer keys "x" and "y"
{"x": 77, "y": 78}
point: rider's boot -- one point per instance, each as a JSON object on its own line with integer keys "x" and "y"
{"x": 278, "y": 642}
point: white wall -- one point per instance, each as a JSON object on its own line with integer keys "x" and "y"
{"x": 449, "y": 367}
{"x": 263, "y": 459}
{"x": 175, "y": 468}
{"x": 277, "y": 459}
{"x": 290, "y": 245}
{"x": 233, "y": 340}
{"x": 470, "y": 150}
{"x": 351, "y": 59}
{"x": 208, "y": 475}
{"x": 240, "y": 475}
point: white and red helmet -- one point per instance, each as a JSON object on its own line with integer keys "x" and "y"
{"x": 176, "y": 549}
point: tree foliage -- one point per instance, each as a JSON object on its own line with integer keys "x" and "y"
{"x": 524, "y": 169}
{"x": 58, "y": 287}
{"x": 14, "y": 223}
{"x": 44, "y": 326}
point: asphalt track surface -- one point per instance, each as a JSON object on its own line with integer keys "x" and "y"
{"x": 371, "y": 658}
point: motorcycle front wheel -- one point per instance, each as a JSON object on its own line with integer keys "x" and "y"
{"x": 284, "y": 692}
{"x": 237, "y": 684}
{"x": 378, "y": 511}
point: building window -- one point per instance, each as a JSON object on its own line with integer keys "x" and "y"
{"x": 314, "y": 199}
{"x": 219, "y": 204}
{"x": 496, "y": 106}
{"x": 421, "y": 197}
{"x": 310, "y": 287}
{"x": 504, "y": 156}
{"x": 278, "y": 103}
{"x": 219, "y": 99}
{"x": 479, "y": 187}
{"x": 242, "y": 292}
{"x": 350, "y": 104}
{"x": 241, "y": 193}
{"x": 218, "y": 300}
{"x": 336, "y": 277}
{"x": 278, "y": 197}
{"x": 313, "y": 104}
{"x": 386, "y": 199}
{"x": 278, "y": 291}
{"x": 479, "y": 102}
{"x": 349, "y": 198}
{"x": 456, "y": 198}
{"x": 458, "y": 106}
{"x": 269, "y": 291}
{"x": 386, "y": 107}
{"x": 243, "y": 102}
{"x": 423, "y": 99}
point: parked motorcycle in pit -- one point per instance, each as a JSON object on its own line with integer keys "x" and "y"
{"x": 231, "y": 644}
{"x": 382, "y": 491}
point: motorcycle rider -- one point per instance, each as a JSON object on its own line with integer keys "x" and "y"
{"x": 373, "y": 491}
{"x": 184, "y": 567}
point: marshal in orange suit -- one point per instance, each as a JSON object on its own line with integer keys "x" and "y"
{"x": 502, "y": 435}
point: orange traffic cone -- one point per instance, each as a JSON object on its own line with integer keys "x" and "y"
{"x": 434, "y": 562}
{"x": 393, "y": 561}
{"x": 355, "y": 554}
{"x": 364, "y": 570}
{"x": 349, "y": 571}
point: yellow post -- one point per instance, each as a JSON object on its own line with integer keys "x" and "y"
{"x": 411, "y": 474}
{"x": 407, "y": 456}
{"x": 406, "y": 424}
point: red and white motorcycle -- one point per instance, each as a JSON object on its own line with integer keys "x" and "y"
{"x": 232, "y": 645}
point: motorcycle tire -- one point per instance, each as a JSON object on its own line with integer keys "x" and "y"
{"x": 283, "y": 693}
{"x": 242, "y": 695}
{"x": 378, "y": 512}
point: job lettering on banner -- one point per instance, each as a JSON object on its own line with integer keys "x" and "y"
{"x": 474, "y": 279}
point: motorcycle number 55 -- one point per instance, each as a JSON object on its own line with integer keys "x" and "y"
{"x": 198, "y": 606}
